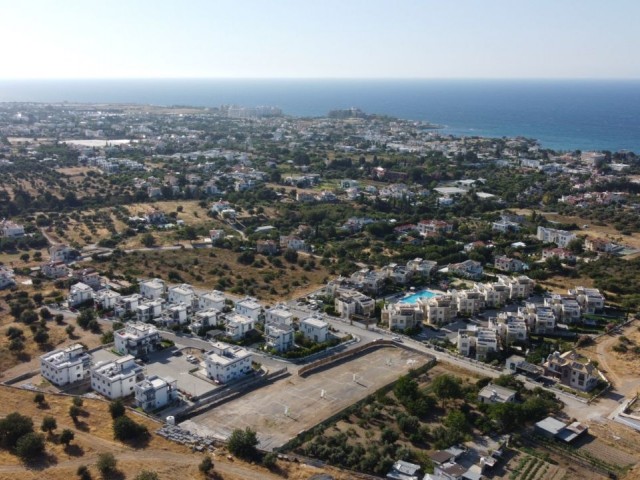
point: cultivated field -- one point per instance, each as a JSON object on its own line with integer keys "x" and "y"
{"x": 264, "y": 409}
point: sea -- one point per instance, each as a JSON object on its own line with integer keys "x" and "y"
{"x": 560, "y": 114}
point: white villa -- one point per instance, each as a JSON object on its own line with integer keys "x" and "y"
{"x": 79, "y": 294}
{"x": 181, "y": 294}
{"x": 238, "y": 325}
{"x": 214, "y": 299}
{"x": 278, "y": 314}
{"x": 279, "y": 336}
{"x": 152, "y": 289}
{"x": 65, "y": 366}
{"x": 315, "y": 329}
{"x": 136, "y": 339}
{"x": 249, "y": 307}
{"x": 116, "y": 379}
{"x": 154, "y": 392}
{"x": 225, "y": 362}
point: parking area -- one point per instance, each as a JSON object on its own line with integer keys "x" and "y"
{"x": 281, "y": 410}
{"x": 166, "y": 364}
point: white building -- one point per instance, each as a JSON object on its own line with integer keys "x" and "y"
{"x": 315, "y": 329}
{"x": 249, "y": 307}
{"x": 174, "y": 315}
{"x": 401, "y": 316}
{"x": 279, "y": 336}
{"x": 438, "y": 310}
{"x": 136, "y": 339}
{"x": 552, "y": 235}
{"x": 154, "y": 392}
{"x": 149, "y": 310}
{"x": 351, "y": 302}
{"x": 238, "y": 325}
{"x": 106, "y": 299}
{"x": 225, "y": 362}
{"x": 55, "y": 270}
{"x": 62, "y": 253}
{"x": 590, "y": 299}
{"x": 477, "y": 342}
{"x": 421, "y": 267}
{"x": 6, "y": 277}
{"x": 209, "y": 317}
{"x": 11, "y": 229}
{"x": 278, "y": 314}
{"x": 79, "y": 294}
{"x": 152, "y": 289}
{"x": 116, "y": 379}
{"x": 61, "y": 367}
{"x": 181, "y": 294}
{"x": 213, "y": 299}
{"x": 127, "y": 304}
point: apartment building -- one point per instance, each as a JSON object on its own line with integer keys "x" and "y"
{"x": 249, "y": 307}
{"x": 552, "y": 235}
{"x": 136, "y": 339}
{"x": 351, "y": 302}
{"x": 400, "y": 316}
{"x": 438, "y": 310}
{"x": 315, "y": 329}
{"x": 278, "y": 314}
{"x": 181, "y": 294}
{"x": 213, "y": 299}
{"x": 477, "y": 342}
{"x": 226, "y": 362}
{"x": 116, "y": 379}
{"x": 67, "y": 365}
{"x": 79, "y": 294}
{"x": 279, "y": 336}
{"x": 238, "y": 325}
{"x": 153, "y": 289}
{"x": 155, "y": 392}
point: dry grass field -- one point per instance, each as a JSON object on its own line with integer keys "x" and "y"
{"x": 93, "y": 435}
{"x": 206, "y": 268}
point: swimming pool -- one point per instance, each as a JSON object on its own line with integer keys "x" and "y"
{"x": 414, "y": 297}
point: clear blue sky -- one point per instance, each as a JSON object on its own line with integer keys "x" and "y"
{"x": 320, "y": 38}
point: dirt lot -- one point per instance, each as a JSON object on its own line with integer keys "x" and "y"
{"x": 93, "y": 435}
{"x": 264, "y": 409}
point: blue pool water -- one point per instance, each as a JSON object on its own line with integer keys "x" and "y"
{"x": 413, "y": 298}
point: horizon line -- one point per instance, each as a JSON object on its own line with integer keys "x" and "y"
{"x": 169, "y": 78}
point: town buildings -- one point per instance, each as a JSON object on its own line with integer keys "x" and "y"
{"x": 67, "y": 365}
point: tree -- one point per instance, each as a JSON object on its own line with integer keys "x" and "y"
{"x": 12, "y": 427}
{"x": 83, "y": 472}
{"x": 147, "y": 475}
{"x": 70, "y": 329}
{"x": 117, "y": 409}
{"x": 125, "y": 429}
{"x": 290, "y": 255}
{"x": 446, "y": 387}
{"x": 74, "y": 412}
{"x": 106, "y": 463}
{"x": 242, "y": 443}
{"x": 59, "y": 318}
{"x": 28, "y": 317}
{"x": 85, "y": 318}
{"x": 270, "y": 460}
{"x": 30, "y": 446}
{"x": 41, "y": 337}
{"x": 45, "y": 314}
{"x": 66, "y": 436}
{"x": 148, "y": 240}
{"x": 77, "y": 401}
{"x": 206, "y": 465}
{"x": 39, "y": 398}
{"x": 49, "y": 424}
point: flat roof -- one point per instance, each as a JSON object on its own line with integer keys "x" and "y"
{"x": 551, "y": 425}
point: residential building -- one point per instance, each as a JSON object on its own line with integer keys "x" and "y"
{"x": 9, "y": 229}
{"x": 279, "y": 336}
{"x": 278, "y": 314}
{"x": 62, "y": 253}
{"x": 6, "y": 277}
{"x": 136, "y": 339}
{"x": 292, "y": 242}
{"x": 496, "y": 394}
{"x": 152, "y": 289}
{"x": 519, "y": 287}
{"x": 402, "y": 470}
{"x": 398, "y": 274}
{"x": 467, "y": 269}
{"x": 401, "y": 316}
{"x": 429, "y": 228}
{"x": 214, "y": 299}
{"x": 505, "y": 226}
{"x": 468, "y": 302}
{"x": 55, "y": 270}
{"x": 368, "y": 281}
{"x": 267, "y": 247}
{"x": 598, "y": 245}
{"x": 590, "y": 299}
{"x": 79, "y": 294}
{"x": 573, "y": 370}
{"x": 149, "y": 310}
{"x": 552, "y": 235}
{"x": 561, "y": 253}
{"x": 209, "y": 317}
{"x": 249, "y": 307}
{"x": 510, "y": 328}
{"x": 155, "y": 392}
{"x": 421, "y": 267}
{"x": 238, "y": 325}
{"x": 116, "y": 379}
{"x": 495, "y": 294}
{"x": 181, "y": 294}
{"x": 438, "y": 310}
{"x": 540, "y": 319}
{"x": 216, "y": 235}
{"x": 351, "y": 302}
{"x": 566, "y": 308}
{"x": 106, "y": 299}
{"x": 67, "y": 365}
{"x": 88, "y": 276}
{"x": 477, "y": 342}
{"x": 315, "y": 329}
{"x": 507, "y": 264}
{"x": 174, "y": 315}
{"x": 127, "y": 305}
{"x": 226, "y": 362}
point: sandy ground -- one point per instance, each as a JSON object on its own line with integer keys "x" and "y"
{"x": 264, "y": 409}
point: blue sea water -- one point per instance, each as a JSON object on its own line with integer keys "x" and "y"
{"x": 561, "y": 114}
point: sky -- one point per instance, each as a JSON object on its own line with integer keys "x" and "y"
{"x": 507, "y": 39}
